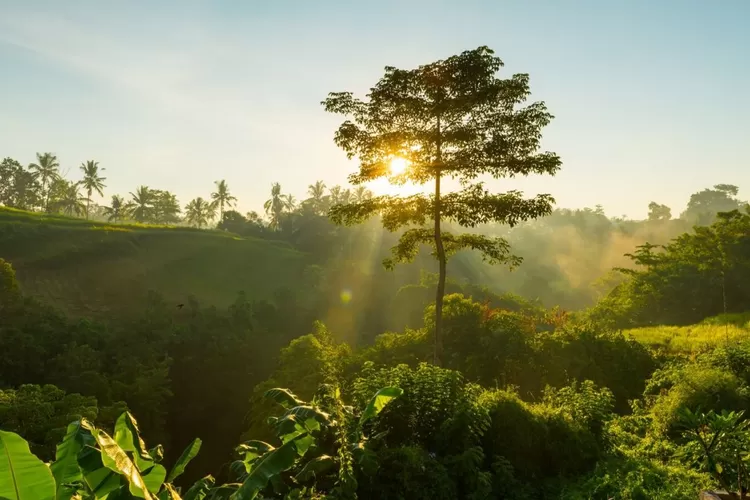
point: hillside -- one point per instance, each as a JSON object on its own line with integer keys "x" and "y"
{"x": 709, "y": 333}
{"x": 94, "y": 268}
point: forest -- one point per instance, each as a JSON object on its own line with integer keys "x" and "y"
{"x": 349, "y": 344}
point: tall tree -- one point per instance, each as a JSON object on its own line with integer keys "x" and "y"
{"x": 275, "y": 206}
{"x": 657, "y": 211}
{"x": 318, "y": 199}
{"x": 141, "y": 204}
{"x": 92, "y": 181}
{"x": 454, "y": 119}
{"x": 290, "y": 202}
{"x": 117, "y": 209}
{"x": 47, "y": 170}
{"x": 199, "y": 212}
{"x": 166, "y": 208}
{"x": 222, "y": 197}
{"x": 66, "y": 198}
{"x": 361, "y": 194}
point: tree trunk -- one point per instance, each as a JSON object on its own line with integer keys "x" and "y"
{"x": 88, "y": 205}
{"x": 440, "y": 250}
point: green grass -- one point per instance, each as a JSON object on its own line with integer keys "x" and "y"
{"x": 95, "y": 268}
{"x": 689, "y": 339}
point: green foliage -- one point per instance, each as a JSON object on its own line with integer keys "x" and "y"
{"x": 697, "y": 275}
{"x": 22, "y": 475}
{"x": 451, "y": 118}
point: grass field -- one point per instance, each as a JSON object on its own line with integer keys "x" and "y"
{"x": 94, "y": 268}
{"x": 687, "y": 339}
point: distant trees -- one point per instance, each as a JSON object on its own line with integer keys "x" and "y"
{"x": 704, "y": 205}
{"x": 66, "y": 198}
{"x": 141, "y": 204}
{"x": 455, "y": 119}
{"x": 91, "y": 181}
{"x": 199, "y": 212}
{"x": 275, "y": 206}
{"x": 117, "y": 210}
{"x": 222, "y": 197}
{"x": 46, "y": 170}
{"x": 658, "y": 212}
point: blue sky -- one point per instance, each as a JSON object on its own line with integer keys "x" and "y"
{"x": 651, "y": 98}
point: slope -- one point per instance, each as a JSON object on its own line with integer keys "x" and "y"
{"x": 95, "y": 269}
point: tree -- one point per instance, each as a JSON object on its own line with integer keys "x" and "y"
{"x": 66, "y": 197}
{"x": 117, "y": 209}
{"x": 290, "y": 202}
{"x": 449, "y": 119}
{"x": 166, "y": 208}
{"x": 659, "y": 212}
{"x": 318, "y": 199}
{"x": 141, "y": 204}
{"x": 361, "y": 194}
{"x": 704, "y": 205}
{"x": 91, "y": 181}
{"x": 275, "y": 205}
{"x": 199, "y": 212}
{"x": 46, "y": 170}
{"x": 222, "y": 197}
{"x": 18, "y": 186}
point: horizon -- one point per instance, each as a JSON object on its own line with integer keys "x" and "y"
{"x": 206, "y": 100}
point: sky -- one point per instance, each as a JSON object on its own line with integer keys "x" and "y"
{"x": 651, "y": 99}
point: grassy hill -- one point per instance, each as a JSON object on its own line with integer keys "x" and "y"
{"x": 94, "y": 268}
{"x": 711, "y": 332}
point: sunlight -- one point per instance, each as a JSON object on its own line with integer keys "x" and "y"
{"x": 398, "y": 165}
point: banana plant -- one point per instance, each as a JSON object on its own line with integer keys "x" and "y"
{"x": 92, "y": 465}
{"x": 319, "y": 441}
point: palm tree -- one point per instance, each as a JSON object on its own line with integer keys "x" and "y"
{"x": 141, "y": 204}
{"x": 275, "y": 205}
{"x": 70, "y": 201}
{"x": 91, "y": 181}
{"x": 290, "y": 202}
{"x": 335, "y": 195}
{"x": 199, "y": 212}
{"x": 46, "y": 170}
{"x": 117, "y": 209}
{"x": 318, "y": 198}
{"x": 361, "y": 194}
{"x": 222, "y": 197}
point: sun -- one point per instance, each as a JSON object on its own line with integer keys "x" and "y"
{"x": 398, "y": 165}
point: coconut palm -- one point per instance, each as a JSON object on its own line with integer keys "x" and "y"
{"x": 361, "y": 194}
{"x": 222, "y": 197}
{"x": 290, "y": 202}
{"x": 275, "y": 205}
{"x": 141, "y": 204}
{"x": 199, "y": 212}
{"x": 91, "y": 181}
{"x": 117, "y": 209}
{"x": 318, "y": 198}
{"x": 46, "y": 170}
{"x": 68, "y": 198}
{"x": 335, "y": 195}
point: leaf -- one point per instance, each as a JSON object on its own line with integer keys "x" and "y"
{"x": 223, "y": 492}
{"x": 100, "y": 479}
{"x": 379, "y": 401}
{"x": 157, "y": 452}
{"x": 65, "y": 468}
{"x": 169, "y": 493}
{"x": 306, "y": 412}
{"x": 316, "y": 467}
{"x": 115, "y": 459}
{"x": 154, "y": 477}
{"x": 128, "y": 437}
{"x": 179, "y": 467}
{"x": 269, "y": 465}
{"x": 22, "y": 475}
{"x": 284, "y": 397}
{"x": 199, "y": 490}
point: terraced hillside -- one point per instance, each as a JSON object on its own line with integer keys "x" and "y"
{"x": 96, "y": 269}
